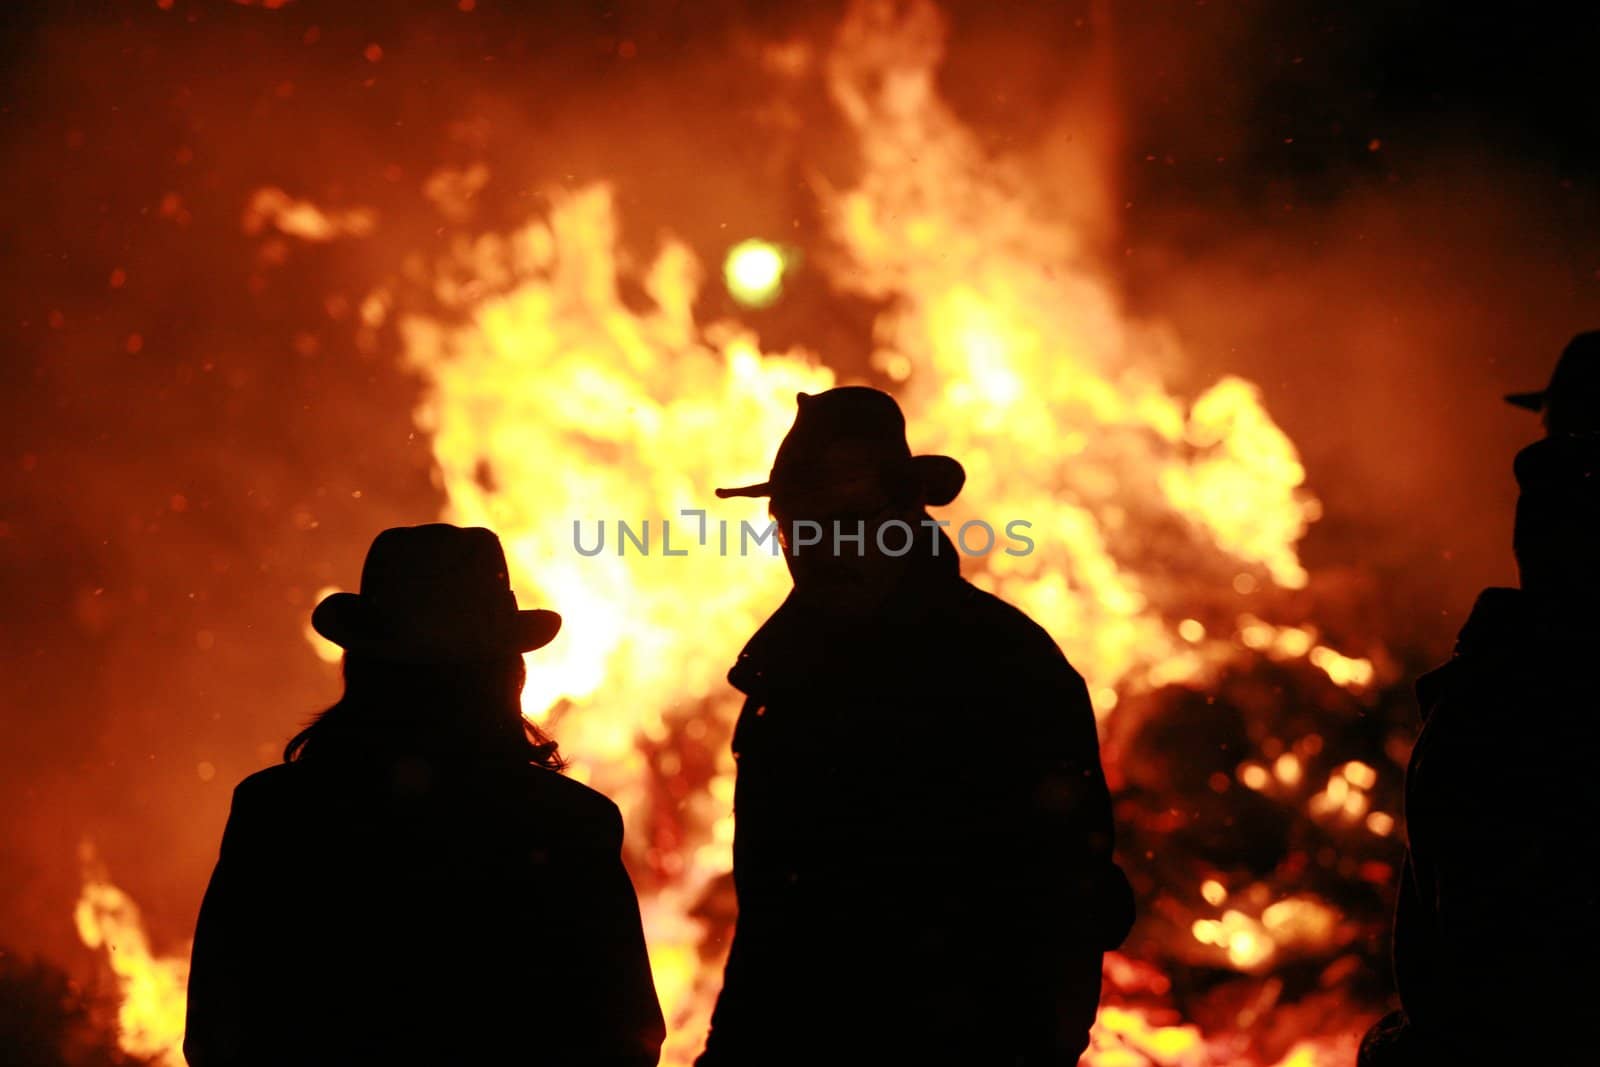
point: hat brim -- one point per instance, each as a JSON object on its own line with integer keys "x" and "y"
{"x": 940, "y": 478}
{"x": 1530, "y": 401}
{"x": 759, "y": 489}
{"x": 348, "y": 621}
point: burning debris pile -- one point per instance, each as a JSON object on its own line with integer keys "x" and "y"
{"x": 565, "y": 382}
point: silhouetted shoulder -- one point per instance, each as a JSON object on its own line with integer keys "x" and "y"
{"x": 266, "y": 808}
{"x": 1038, "y": 705}
{"x": 546, "y": 795}
{"x": 265, "y": 786}
{"x": 1005, "y": 631}
{"x": 572, "y": 799}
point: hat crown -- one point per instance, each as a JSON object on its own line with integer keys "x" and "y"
{"x": 437, "y": 569}
{"x": 852, "y": 413}
{"x": 434, "y": 593}
{"x": 854, "y": 426}
{"x": 1572, "y": 401}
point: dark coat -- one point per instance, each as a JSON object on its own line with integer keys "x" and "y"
{"x": 923, "y": 841}
{"x": 1497, "y": 929}
{"x": 396, "y": 913}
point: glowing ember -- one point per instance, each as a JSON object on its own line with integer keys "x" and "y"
{"x": 303, "y": 219}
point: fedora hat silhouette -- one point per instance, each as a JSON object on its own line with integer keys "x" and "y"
{"x": 863, "y": 416}
{"x": 434, "y": 594}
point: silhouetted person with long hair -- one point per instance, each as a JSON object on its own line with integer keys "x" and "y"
{"x": 417, "y": 882}
{"x": 1497, "y": 929}
{"x": 923, "y": 842}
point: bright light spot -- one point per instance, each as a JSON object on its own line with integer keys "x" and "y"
{"x": 1287, "y": 769}
{"x": 1255, "y": 776}
{"x": 326, "y": 650}
{"x": 1293, "y": 642}
{"x": 754, "y": 273}
{"x": 1247, "y": 949}
{"x": 1255, "y": 634}
{"x": 897, "y": 365}
{"x": 1381, "y": 823}
{"x": 1191, "y": 630}
{"x": 1214, "y": 892}
{"x": 1360, "y": 775}
{"x": 1343, "y": 670}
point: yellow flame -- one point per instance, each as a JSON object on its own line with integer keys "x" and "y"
{"x": 553, "y": 403}
{"x": 554, "y": 407}
{"x": 150, "y": 1018}
{"x": 1016, "y": 358}
{"x": 1127, "y": 1037}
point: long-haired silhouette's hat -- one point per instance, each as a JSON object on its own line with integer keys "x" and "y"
{"x": 434, "y": 594}
{"x": 1571, "y": 402}
{"x": 862, "y": 416}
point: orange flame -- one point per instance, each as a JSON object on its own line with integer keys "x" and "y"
{"x": 555, "y": 402}
{"x": 552, "y": 401}
{"x": 150, "y": 1019}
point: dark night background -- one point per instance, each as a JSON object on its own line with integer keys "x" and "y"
{"x": 1384, "y": 213}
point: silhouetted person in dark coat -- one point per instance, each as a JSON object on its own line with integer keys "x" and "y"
{"x": 923, "y": 845}
{"x": 1497, "y": 930}
{"x": 417, "y": 883}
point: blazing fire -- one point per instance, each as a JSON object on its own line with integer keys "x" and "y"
{"x": 1165, "y": 527}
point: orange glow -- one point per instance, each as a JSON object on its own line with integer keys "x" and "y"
{"x": 303, "y": 219}
{"x": 553, "y": 405}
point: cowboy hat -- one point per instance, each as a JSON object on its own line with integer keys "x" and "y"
{"x": 862, "y": 416}
{"x": 433, "y": 594}
{"x": 1571, "y": 402}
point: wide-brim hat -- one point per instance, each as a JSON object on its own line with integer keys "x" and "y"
{"x": 434, "y": 594}
{"x": 864, "y": 417}
{"x": 1571, "y": 402}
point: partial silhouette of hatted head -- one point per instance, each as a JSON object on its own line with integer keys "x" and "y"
{"x": 872, "y": 425}
{"x": 433, "y": 653}
{"x": 850, "y": 498}
{"x": 434, "y": 594}
{"x": 1570, "y": 404}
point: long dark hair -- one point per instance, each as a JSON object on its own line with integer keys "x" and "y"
{"x": 458, "y": 712}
